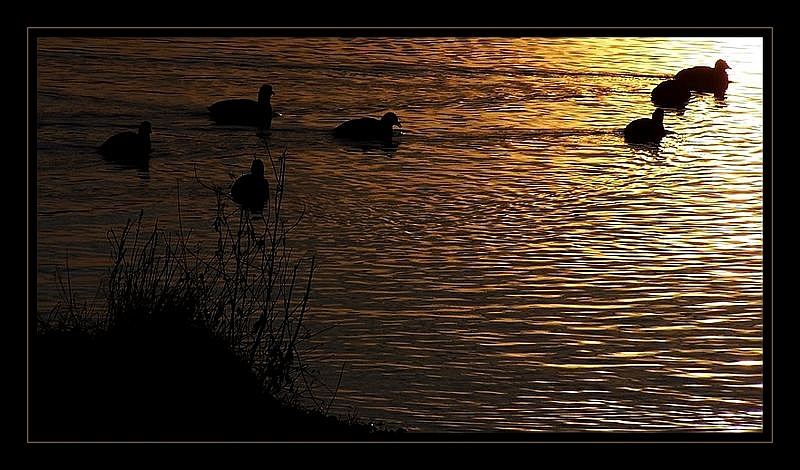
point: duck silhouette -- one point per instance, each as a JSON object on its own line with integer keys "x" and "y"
{"x": 368, "y": 128}
{"x": 128, "y": 145}
{"x": 706, "y": 79}
{"x": 670, "y": 94}
{"x": 251, "y": 190}
{"x": 646, "y": 130}
{"x": 245, "y": 112}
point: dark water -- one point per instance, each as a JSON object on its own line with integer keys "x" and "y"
{"x": 511, "y": 265}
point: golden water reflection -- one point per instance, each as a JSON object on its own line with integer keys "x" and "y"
{"x": 512, "y": 265}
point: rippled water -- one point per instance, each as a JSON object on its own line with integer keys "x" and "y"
{"x": 511, "y": 265}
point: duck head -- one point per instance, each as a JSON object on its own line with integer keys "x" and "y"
{"x": 145, "y": 129}
{"x": 264, "y": 94}
{"x": 658, "y": 116}
{"x": 391, "y": 119}
{"x": 257, "y": 168}
{"x": 721, "y": 65}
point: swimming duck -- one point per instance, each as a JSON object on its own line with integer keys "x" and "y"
{"x": 706, "y": 79}
{"x": 646, "y": 130}
{"x": 670, "y": 94}
{"x": 128, "y": 145}
{"x": 245, "y": 112}
{"x": 251, "y": 190}
{"x": 368, "y": 128}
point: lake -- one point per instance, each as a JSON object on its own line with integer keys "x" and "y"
{"x": 511, "y": 264}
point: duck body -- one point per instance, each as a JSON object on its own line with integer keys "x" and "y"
{"x": 128, "y": 145}
{"x": 368, "y": 128}
{"x": 671, "y": 94}
{"x": 251, "y": 191}
{"x": 646, "y": 130}
{"x": 706, "y": 79}
{"x": 243, "y": 111}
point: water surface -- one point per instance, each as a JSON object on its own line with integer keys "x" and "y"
{"x": 512, "y": 264}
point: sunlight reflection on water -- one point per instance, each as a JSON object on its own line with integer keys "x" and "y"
{"x": 511, "y": 265}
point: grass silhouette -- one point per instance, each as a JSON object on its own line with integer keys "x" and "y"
{"x": 191, "y": 346}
